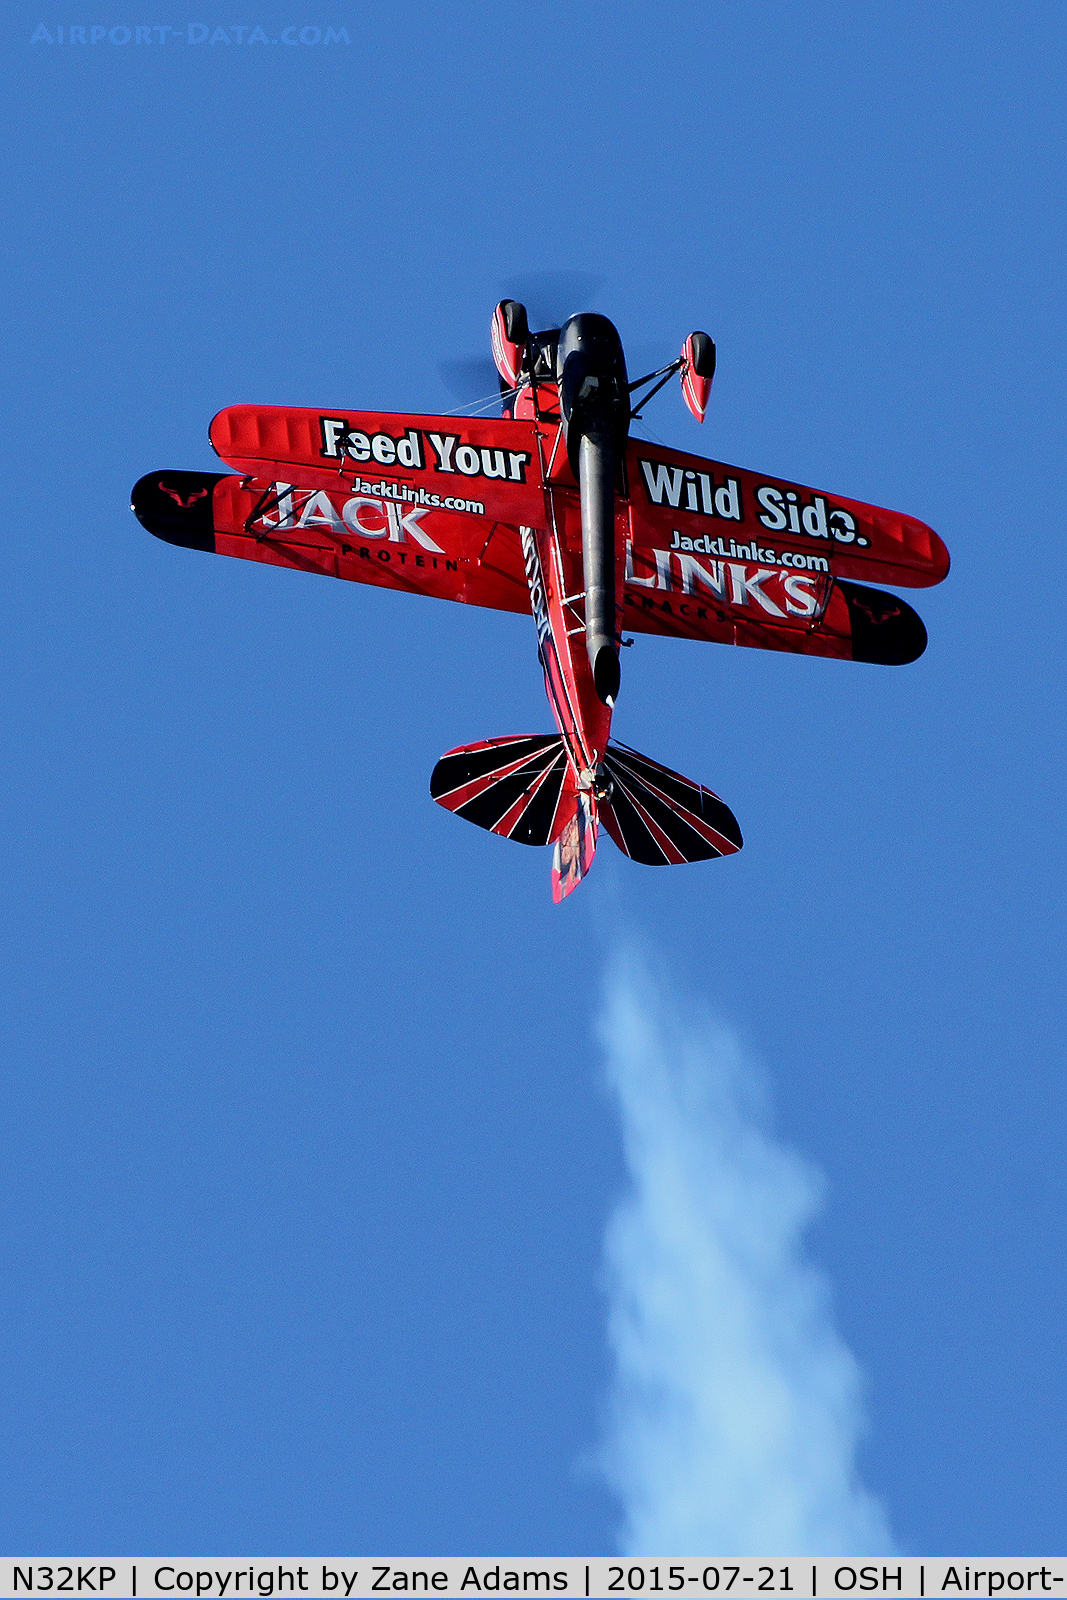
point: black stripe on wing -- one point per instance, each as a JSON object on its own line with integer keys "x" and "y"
{"x": 644, "y": 793}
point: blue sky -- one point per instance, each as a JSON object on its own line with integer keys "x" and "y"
{"x": 308, "y": 1156}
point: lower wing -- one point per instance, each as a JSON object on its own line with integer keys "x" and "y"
{"x": 456, "y": 555}
{"x": 843, "y": 620}
{"x": 448, "y": 554}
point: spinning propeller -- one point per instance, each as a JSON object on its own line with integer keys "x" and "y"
{"x": 524, "y": 337}
{"x": 549, "y": 299}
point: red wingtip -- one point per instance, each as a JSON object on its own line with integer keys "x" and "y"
{"x": 698, "y": 357}
{"x": 507, "y": 352}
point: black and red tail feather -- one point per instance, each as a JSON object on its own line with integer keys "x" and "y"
{"x": 660, "y": 818}
{"x": 511, "y": 786}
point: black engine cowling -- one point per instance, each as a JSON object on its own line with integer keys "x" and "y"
{"x": 594, "y": 397}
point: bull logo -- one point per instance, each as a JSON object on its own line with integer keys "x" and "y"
{"x": 185, "y": 501}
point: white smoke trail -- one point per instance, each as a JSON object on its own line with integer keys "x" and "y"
{"x": 735, "y": 1410}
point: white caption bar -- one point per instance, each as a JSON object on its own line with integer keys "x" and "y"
{"x": 354, "y": 1577}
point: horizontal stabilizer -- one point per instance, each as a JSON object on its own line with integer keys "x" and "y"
{"x": 511, "y": 786}
{"x": 660, "y": 818}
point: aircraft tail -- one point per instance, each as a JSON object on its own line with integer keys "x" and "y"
{"x": 523, "y": 787}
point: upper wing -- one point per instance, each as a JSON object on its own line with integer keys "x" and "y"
{"x": 687, "y": 513}
{"x": 488, "y": 466}
{"x": 451, "y": 555}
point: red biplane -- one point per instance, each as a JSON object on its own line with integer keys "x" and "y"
{"x": 552, "y": 508}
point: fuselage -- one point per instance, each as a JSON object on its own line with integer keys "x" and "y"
{"x": 575, "y": 566}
